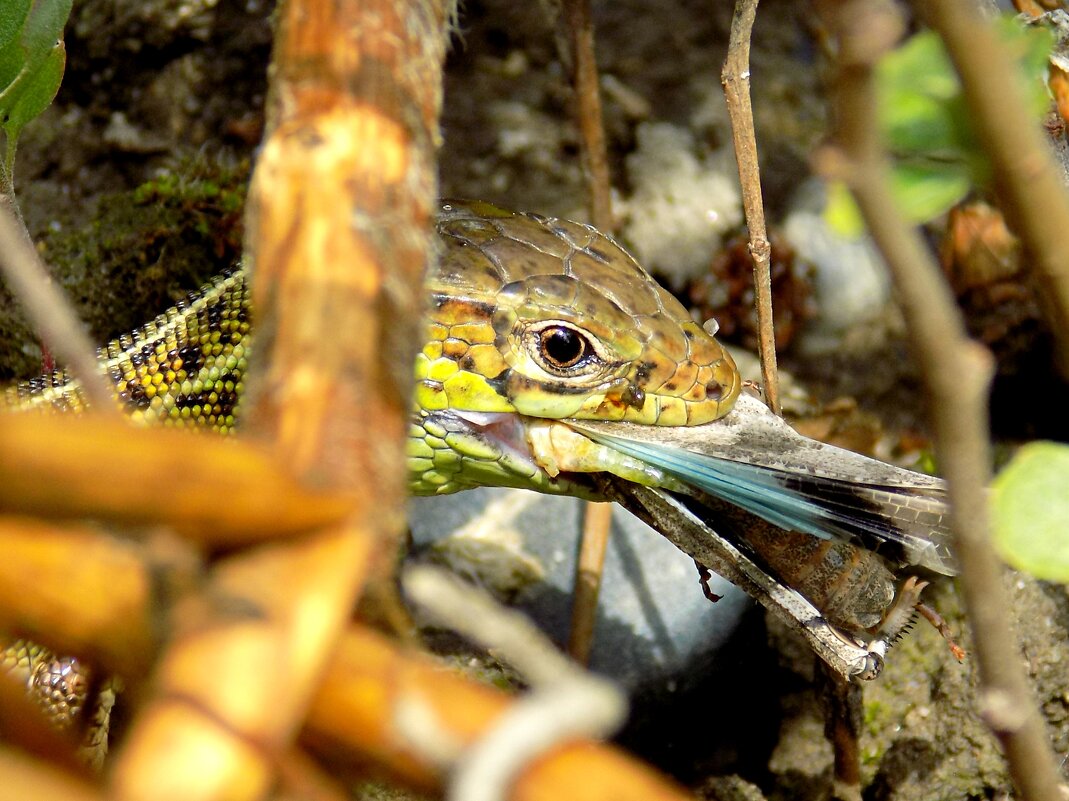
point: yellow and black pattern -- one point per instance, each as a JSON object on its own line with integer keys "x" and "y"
{"x": 184, "y": 368}
{"x": 55, "y": 684}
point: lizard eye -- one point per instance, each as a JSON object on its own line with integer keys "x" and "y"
{"x": 562, "y": 348}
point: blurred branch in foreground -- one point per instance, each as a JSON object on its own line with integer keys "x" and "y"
{"x": 957, "y": 373}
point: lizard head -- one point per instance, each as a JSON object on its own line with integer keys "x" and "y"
{"x": 553, "y": 319}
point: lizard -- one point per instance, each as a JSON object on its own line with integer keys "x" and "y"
{"x": 553, "y": 361}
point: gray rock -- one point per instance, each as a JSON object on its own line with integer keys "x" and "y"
{"x": 653, "y": 620}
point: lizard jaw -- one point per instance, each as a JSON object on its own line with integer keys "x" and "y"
{"x": 452, "y": 450}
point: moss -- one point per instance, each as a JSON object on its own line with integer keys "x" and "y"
{"x": 875, "y": 718}
{"x": 922, "y": 737}
{"x": 143, "y": 251}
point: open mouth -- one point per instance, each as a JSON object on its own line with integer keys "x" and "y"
{"x": 508, "y": 445}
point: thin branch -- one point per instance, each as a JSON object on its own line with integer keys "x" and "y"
{"x": 52, "y": 315}
{"x": 594, "y": 540}
{"x": 735, "y": 77}
{"x": 841, "y": 699}
{"x": 1028, "y": 181}
{"x": 957, "y": 373}
{"x": 588, "y": 572}
{"x": 588, "y": 111}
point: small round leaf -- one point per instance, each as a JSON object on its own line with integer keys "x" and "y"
{"x": 1030, "y": 511}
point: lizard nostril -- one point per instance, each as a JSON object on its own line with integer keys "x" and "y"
{"x": 714, "y": 390}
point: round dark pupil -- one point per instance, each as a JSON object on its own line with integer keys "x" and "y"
{"x": 562, "y": 346}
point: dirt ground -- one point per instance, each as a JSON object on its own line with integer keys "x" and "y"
{"x": 133, "y": 182}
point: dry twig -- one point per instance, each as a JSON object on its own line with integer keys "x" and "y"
{"x": 355, "y": 714}
{"x": 221, "y": 486}
{"x": 589, "y": 567}
{"x": 735, "y": 77}
{"x": 957, "y": 373}
{"x": 841, "y": 700}
{"x": 52, "y": 315}
{"x": 588, "y": 111}
{"x": 339, "y": 232}
{"x": 594, "y": 539}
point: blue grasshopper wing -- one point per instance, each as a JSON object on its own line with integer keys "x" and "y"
{"x": 754, "y": 460}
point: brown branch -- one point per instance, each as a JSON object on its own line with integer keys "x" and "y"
{"x": 594, "y": 539}
{"x": 956, "y": 372}
{"x": 368, "y": 685}
{"x": 52, "y": 315}
{"x": 841, "y": 700}
{"x": 588, "y": 111}
{"x": 735, "y": 77}
{"x": 223, "y": 493}
{"x": 1028, "y": 180}
{"x": 354, "y": 717}
{"x": 239, "y": 671}
{"x": 26, "y": 777}
{"x": 589, "y": 566}
{"x": 98, "y": 606}
{"x": 343, "y": 726}
{"x": 339, "y": 232}
{"x": 340, "y": 214}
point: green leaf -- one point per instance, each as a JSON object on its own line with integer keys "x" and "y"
{"x": 926, "y": 124}
{"x": 31, "y": 65}
{"x": 915, "y": 124}
{"x": 1030, "y": 511}
{"x": 40, "y": 32}
{"x": 923, "y": 191}
{"x": 44, "y": 26}
{"x": 920, "y": 100}
{"x": 12, "y": 18}
{"x": 33, "y": 93}
{"x": 1031, "y": 46}
{"x": 918, "y": 67}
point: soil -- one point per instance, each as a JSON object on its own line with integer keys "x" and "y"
{"x": 132, "y": 184}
